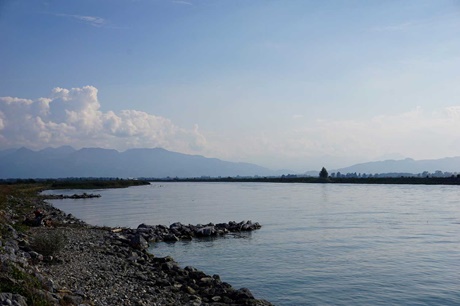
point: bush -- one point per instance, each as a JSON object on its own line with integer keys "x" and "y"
{"x": 49, "y": 242}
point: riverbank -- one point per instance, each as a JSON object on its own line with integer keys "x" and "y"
{"x": 68, "y": 262}
{"x": 403, "y": 180}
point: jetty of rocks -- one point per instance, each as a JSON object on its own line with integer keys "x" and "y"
{"x": 102, "y": 265}
{"x": 73, "y": 196}
{"x": 139, "y": 238}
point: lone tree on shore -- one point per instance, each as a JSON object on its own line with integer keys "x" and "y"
{"x": 323, "y": 174}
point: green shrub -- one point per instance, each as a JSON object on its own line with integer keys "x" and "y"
{"x": 49, "y": 242}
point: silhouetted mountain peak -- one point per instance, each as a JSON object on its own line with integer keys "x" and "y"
{"x": 99, "y": 162}
{"x": 407, "y": 165}
{"x": 59, "y": 150}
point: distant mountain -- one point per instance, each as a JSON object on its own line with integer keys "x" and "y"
{"x": 408, "y": 165}
{"x": 96, "y": 162}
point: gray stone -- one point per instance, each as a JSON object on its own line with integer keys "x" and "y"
{"x": 170, "y": 238}
{"x": 12, "y": 299}
{"x": 139, "y": 242}
{"x": 206, "y": 231}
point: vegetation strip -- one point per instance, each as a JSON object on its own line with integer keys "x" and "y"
{"x": 452, "y": 180}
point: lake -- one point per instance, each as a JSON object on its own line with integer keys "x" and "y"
{"x": 320, "y": 244}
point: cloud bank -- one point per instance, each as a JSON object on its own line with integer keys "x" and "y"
{"x": 308, "y": 144}
{"x": 73, "y": 117}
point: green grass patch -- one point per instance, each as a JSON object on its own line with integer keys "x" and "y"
{"x": 96, "y": 184}
{"x": 20, "y": 282}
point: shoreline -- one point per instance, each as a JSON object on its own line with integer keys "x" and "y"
{"x": 403, "y": 180}
{"x": 102, "y": 265}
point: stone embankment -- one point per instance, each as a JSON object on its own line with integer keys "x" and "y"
{"x": 139, "y": 238}
{"x": 104, "y": 266}
{"x": 74, "y": 196}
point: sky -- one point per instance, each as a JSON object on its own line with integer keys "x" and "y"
{"x": 287, "y": 84}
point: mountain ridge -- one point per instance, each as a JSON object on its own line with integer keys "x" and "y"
{"x": 66, "y": 161}
{"x": 406, "y": 165}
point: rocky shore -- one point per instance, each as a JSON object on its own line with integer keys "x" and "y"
{"x": 60, "y": 260}
{"x": 74, "y": 196}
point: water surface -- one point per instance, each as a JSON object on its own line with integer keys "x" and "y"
{"x": 320, "y": 244}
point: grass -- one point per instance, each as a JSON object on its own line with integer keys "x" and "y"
{"x": 16, "y": 200}
{"x": 27, "y": 285}
{"x": 96, "y": 184}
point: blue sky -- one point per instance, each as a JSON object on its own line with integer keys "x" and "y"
{"x": 284, "y": 84}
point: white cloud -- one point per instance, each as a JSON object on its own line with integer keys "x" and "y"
{"x": 415, "y": 133}
{"x": 182, "y": 2}
{"x": 74, "y": 117}
{"x": 432, "y": 21}
{"x": 337, "y": 143}
{"x": 94, "y": 21}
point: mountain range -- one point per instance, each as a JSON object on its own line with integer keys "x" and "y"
{"x": 66, "y": 161}
{"x": 408, "y": 165}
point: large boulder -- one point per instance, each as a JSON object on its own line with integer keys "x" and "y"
{"x": 138, "y": 242}
{"x": 206, "y": 231}
{"x": 170, "y": 238}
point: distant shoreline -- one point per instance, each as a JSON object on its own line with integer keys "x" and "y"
{"x": 107, "y": 183}
{"x": 455, "y": 180}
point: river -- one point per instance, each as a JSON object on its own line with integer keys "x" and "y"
{"x": 320, "y": 244}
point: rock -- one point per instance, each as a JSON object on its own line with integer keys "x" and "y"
{"x": 48, "y": 258}
{"x": 242, "y": 294}
{"x": 49, "y": 285}
{"x": 73, "y": 299}
{"x": 12, "y": 299}
{"x": 170, "y": 238}
{"x": 12, "y": 232}
{"x": 176, "y": 225}
{"x": 206, "y": 231}
{"x": 35, "y": 256}
{"x": 189, "y": 290}
{"x": 162, "y": 259}
{"x": 138, "y": 242}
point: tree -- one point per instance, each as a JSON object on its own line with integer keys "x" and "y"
{"x": 323, "y": 173}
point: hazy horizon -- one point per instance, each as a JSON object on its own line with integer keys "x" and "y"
{"x": 281, "y": 84}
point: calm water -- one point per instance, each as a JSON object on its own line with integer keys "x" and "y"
{"x": 320, "y": 244}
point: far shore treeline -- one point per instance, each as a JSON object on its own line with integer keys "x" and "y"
{"x": 455, "y": 180}
{"x": 79, "y": 183}
{"x": 102, "y": 183}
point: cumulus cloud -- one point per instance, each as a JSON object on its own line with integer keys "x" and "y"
{"x": 73, "y": 117}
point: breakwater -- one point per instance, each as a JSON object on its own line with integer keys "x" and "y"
{"x": 73, "y": 196}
